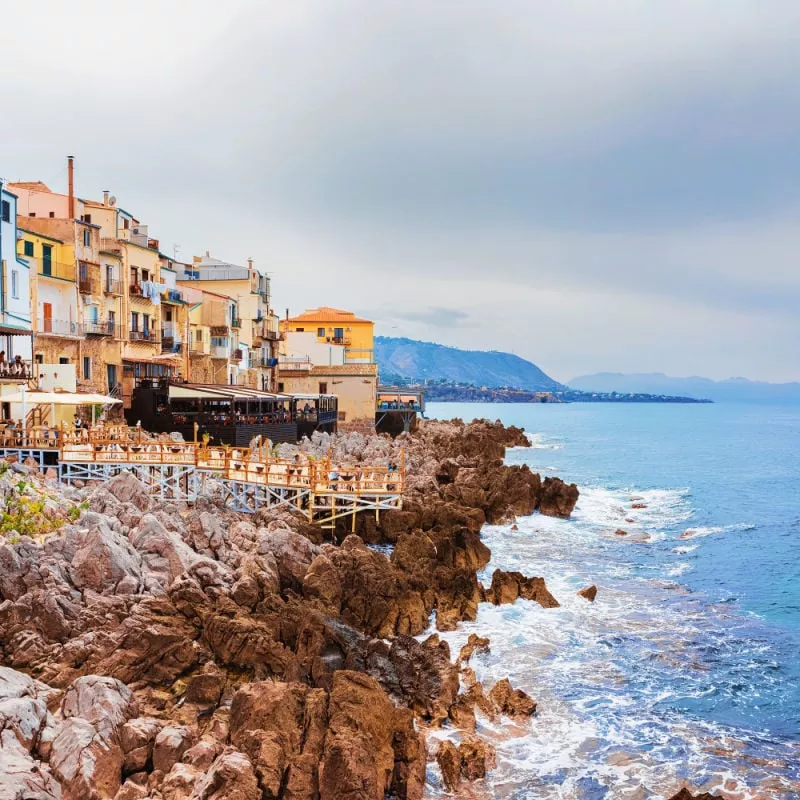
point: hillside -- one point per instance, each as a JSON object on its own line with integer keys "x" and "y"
{"x": 731, "y": 390}
{"x": 407, "y": 358}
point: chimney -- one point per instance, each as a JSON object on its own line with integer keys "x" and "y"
{"x": 105, "y": 197}
{"x": 208, "y": 254}
{"x": 71, "y": 184}
{"x": 250, "y": 264}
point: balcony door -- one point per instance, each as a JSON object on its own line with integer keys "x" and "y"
{"x": 47, "y": 259}
{"x": 47, "y": 317}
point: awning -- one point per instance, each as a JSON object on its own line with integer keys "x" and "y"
{"x": 9, "y": 330}
{"x": 60, "y": 398}
{"x": 199, "y": 391}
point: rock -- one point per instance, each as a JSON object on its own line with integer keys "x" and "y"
{"x": 22, "y": 778}
{"x": 639, "y": 505}
{"x": 205, "y": 688}
{"x": 477, "y": 758}
{"x": 321, "y": 582}
{"x": 293, "y": 555}
{"x": 506, "y": 587}
{"x": 105, "y": 703}
{"x": 103, "y": 559}
{"x": 557, "y": 498}
{"x": 23, "y": 707}
{"x": 126, "y": 488}
{"x": 462, "y": 713}
{"x": 590, "y": 592}
{"x": 231, "y": 777}
{"x": 88, "y": 766}
{"x": 202, "y": 754}
{"x": 180, "y": 782}
{"x": 474, "y": 643}
{"x": 449, "y": 760}
{"x": 137, "y": 737}
{"x": 170, "y": 744}
{"x": 132, "y": 790}
{"x": 685, "y": 794}
{"x": 510, "y": 701}
{"x": 359, "y": 758}
{"x": 621, "y": 532}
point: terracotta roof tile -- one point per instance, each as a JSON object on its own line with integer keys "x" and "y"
{"x": 327, "y": 314}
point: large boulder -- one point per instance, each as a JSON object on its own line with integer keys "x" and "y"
{"x": 557, "y": 499}
{"x": 506, "y": 587}
{"x": 105, "y": 561}
{"x": 510, "y": 701}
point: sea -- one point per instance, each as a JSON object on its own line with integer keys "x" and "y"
{"x": 685, "y": 671}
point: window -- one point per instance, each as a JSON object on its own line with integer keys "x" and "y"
{"x": 62, "y": 360}
{"x": 126, "y": 223}
{"x": 323, "y": 388}
{"x": 198, "y": 335}
{"x": 280, "y": 386}
{"x": 134, "y": 275}
{"x": 112, "y": 318}
{"x": 47, "y": 259}
{"x": 299, "y": 330}
{"x": 27, "y": 248}
{"x": 87, "y": 217}
{"x": 145, "y": 275}
{"x": 321, "y": 333}
{"x": 39, "y": 358}
{"x": 168, "y": 315}
{"x": 87, "y": 238}
{"x": 134, "y": 321}
{"x": 15, "y": 284}
{"x": 87, "y": 368}
{"x": 32, "y": 214}
{"x": 52, "y": 214}
{"x": 146, "y": 323}
{"x": 6, "y": 211}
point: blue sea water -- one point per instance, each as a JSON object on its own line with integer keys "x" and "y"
{"x": 686, "y": 669}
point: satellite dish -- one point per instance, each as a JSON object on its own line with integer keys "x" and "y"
{"x": 112, "y": 201}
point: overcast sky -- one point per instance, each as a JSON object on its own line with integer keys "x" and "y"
{"x": 592, "y": 185}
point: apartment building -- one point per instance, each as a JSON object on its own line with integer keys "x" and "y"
{"x": 330, "y": 351}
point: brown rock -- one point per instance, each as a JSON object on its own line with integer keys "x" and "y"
{"x": 685, "y": 794}
{"x": 590, "y": 592}
{"x": 359, "y": 758}
{"x": 231, "y": 777}
{"x": 137, "y": 737}
{"x": 170, "y": 744}
{"x": 449, "y": 760}
{"x": 506, "y": 587}
{"x": 462, "y": 713}
{"x": 557, "y": 498}
{"x": 475, "y": 642}
{"x": 510, "y": 701}
{"x": 206, "y": 687}
{"x": 620, "y": 532}
{"x": 639, "y": 505}
{"x": 477, "y": 758}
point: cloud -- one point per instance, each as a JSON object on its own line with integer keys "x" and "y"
{"x": 592, "y": 185}
{"x": 436, "y": 317}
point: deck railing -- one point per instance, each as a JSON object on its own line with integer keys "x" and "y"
{"x": 123, "y": 445}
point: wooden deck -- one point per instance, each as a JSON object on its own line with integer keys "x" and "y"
{"x": 320, "y": 488}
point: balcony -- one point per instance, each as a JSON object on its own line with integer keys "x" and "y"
{"x": 236, "y": 322}
{"x": 269, "y": 329}
{"x": 87, "y": 286}
{"x": 237, "y": 355}
{"x": 170, "y": 345}
{"x": 59, "y": 327}
{"x": 260, "y": 361}
{"x": 294, "y": 363}
{"x": 358, "y": 356}
{"x": 15, "y": 371}
{"x": 98, "y": 328}
{"x": 198, "y": 349}
{"x": 56, "y": 269}
{"x": 143, "y": 336}
{"x": 219, "y": 351}
{"x": 134, "y": 290}
{"x": 112, "y": 286}
{"x": 173, "y": 296}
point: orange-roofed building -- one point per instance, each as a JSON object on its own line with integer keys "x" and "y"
{"x": 334, "y": 326}
{"x": 330, "y": 351}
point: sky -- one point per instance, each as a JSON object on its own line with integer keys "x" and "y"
{"x": 594, "y": 186}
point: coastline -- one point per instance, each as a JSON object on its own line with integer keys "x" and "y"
{"x": 160, "y": 649}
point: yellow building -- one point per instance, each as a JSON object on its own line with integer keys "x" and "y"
{"x": 330, "y": 351}
{"x": 336, "y": 327}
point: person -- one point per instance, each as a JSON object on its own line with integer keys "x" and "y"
{"x": 333, "y": 477}
{"x": 77, "y": 424}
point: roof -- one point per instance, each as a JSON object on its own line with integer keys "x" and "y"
{"x": 218, "y": 391}
{"x": 36, "y": 186}
{"x": 38, "y": 233}
{"x": 327, "y": 314}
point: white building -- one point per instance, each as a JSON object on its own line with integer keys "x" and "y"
{"x": 15, "y": 293}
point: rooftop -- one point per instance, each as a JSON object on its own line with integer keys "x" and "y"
{"x": 327, "y": 314}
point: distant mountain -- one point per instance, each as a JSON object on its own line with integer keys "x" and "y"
{"x": 731, "y": 390}
{"x": 408, "y": 358}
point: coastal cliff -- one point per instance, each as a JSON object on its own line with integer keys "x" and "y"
{"x": 156, "y": 650}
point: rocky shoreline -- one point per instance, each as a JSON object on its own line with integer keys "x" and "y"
{"x": 164, "y": 651}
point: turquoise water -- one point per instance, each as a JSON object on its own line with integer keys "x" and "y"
{"x": 687, "y": 667}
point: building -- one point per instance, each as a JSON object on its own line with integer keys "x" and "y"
{"x": 16, "y": 337}
{"x": 328, "y": 350}
{"x": 254, "y": 332}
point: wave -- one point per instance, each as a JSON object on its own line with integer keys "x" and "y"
{"x": 700, "y": 531}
